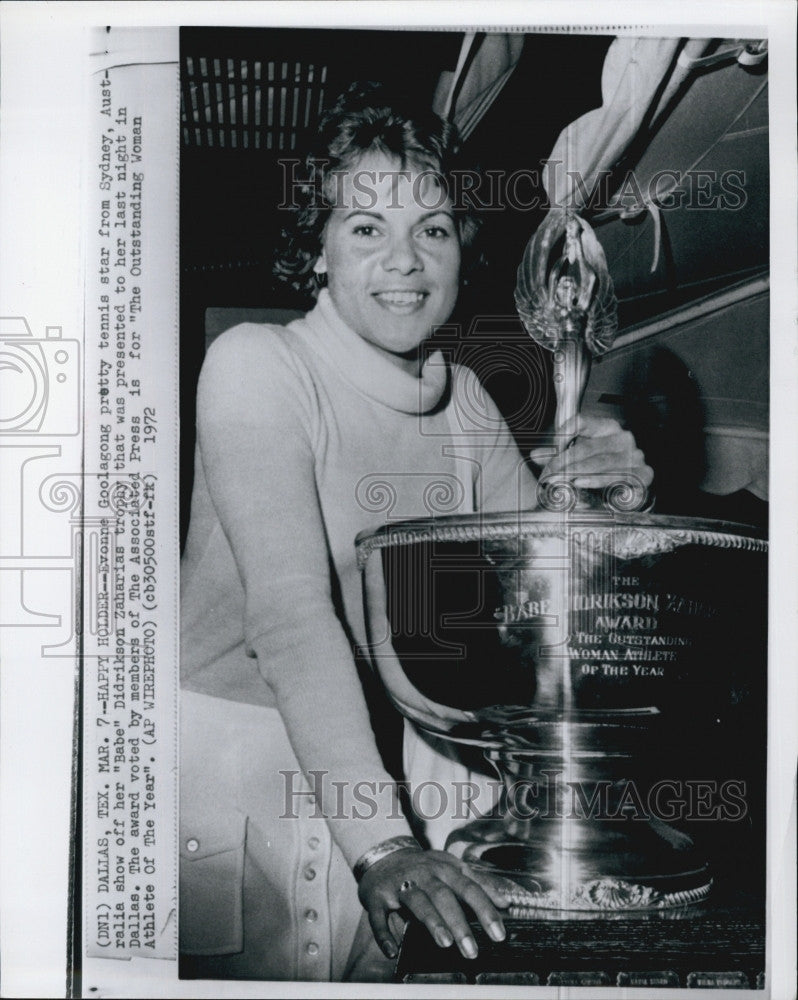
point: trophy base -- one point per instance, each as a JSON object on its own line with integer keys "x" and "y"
{"x": 717, "y": 945}
{"x": 576, "y": 870}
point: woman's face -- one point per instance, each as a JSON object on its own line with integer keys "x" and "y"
{"x": 391, "y": 253}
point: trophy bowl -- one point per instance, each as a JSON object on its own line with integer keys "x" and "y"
{"x": 611, "y": 668}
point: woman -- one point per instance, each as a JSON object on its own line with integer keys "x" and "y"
{"x": 293, "y": 424}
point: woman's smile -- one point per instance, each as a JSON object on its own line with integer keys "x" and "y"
{"x": 401, "y": 302}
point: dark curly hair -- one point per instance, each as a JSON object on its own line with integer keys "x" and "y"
{"x": 368, "y": 117}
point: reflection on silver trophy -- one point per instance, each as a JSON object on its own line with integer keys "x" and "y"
{"x": 600, "y": 655}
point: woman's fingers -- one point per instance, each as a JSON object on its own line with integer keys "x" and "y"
{"x": 612, "y": 460}
{"x": 439, "y": 909}
{"x": 444, "y": 927}
{"x": 601, "y": 454}
{"x": 497, "y": 888}
{"x": 436, "y": 889}
{"x": 480, "y": 904}
{"x": 446, "y": 892}
{"x": 378, "y": 918}
{"x": 587, "y": 425}
{"x": 611, "y": 464}
{"x": 577, "y": 431}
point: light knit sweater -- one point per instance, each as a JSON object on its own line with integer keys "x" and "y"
{"x": 307, "y": 434}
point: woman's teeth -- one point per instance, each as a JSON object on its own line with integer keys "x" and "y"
{"x": 401, "y": 298}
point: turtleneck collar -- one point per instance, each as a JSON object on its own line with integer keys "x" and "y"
{"x": 365, "y": 368}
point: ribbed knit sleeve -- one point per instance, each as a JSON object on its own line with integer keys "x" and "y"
{"x": 257, "y": 422}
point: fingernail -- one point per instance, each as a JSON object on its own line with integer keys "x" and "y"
{"x": 496, "y": 931}
{"x": 469, "y": 947}
{"x": 444, "y": 938}
{"x": 389, "y": 948}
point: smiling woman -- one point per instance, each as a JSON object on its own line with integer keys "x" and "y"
{"x": 370, "y": 131}
{"x": 393, "y": 270}
{"x": 307, "y": 435}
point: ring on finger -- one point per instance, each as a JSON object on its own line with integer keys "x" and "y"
{"x": 407, "y": 884}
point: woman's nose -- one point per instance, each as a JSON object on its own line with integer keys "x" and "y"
{"x": 402, "y": 255}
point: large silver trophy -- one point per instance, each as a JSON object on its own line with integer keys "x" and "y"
{"x": 601, "y": 657}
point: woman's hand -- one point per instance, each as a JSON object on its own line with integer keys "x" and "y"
{"x": 431, "y": 886}
{"x": 600, "y": 453}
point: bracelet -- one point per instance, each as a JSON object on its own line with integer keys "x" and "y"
{"x": 380, "y": 851}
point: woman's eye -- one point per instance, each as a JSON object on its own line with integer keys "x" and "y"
{"x": 365, "y": 230}
{"x": 436, "y": 232}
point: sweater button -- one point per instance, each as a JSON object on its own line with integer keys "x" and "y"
{"x": 311, "y": 916}
{"x": 192, "y": 845}
{"x": 310, "y": 873}
{"x": 313, "y": 843}
{"x": 313, "y": 948}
